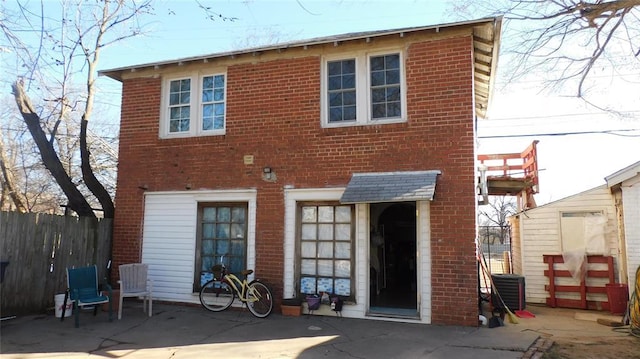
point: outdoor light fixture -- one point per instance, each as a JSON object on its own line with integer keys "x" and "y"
{"x": 268, "y": 174}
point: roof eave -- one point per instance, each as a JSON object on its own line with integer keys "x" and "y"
{"x": 116, "y": 73}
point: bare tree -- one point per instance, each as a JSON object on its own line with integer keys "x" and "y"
{"x": 496, "y": 214}
{"x": 26, "y": 183}
{"x": 68, "y": 49}
{"x": 570, "y": 39}
{"x": 8, "y": 181}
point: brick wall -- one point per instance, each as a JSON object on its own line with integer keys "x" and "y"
{"x": 273, "y": 113}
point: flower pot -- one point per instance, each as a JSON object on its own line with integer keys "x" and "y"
{"x": 291, "y": 310}
{"x": 291, "y": 307}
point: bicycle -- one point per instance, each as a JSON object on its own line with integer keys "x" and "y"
{"x": 219, "y": 293}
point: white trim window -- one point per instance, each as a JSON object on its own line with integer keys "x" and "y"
{"x": 368, "y": 88}
{"x": 326, "y": 245}
{"x": 194, "y": 106}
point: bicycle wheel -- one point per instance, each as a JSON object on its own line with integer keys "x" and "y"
{"x": 216, "y": 296}
{"x": 259, "y": 299}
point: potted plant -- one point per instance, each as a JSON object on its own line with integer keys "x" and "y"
{"x": 291, "y": 307}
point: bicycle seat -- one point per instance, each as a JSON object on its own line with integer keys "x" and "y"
{"x": 246, "y": 272}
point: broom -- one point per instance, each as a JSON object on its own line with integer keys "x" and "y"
{"x": 512, "y": 317}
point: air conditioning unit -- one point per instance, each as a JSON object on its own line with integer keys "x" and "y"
{"x": 511, "y": 288}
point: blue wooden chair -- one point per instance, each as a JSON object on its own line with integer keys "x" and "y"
{"x": 82, "y": 289}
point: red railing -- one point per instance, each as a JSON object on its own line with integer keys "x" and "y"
{"x": 516, "y": 166}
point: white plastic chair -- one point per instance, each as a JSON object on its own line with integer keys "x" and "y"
{"x": 134, "y": 283}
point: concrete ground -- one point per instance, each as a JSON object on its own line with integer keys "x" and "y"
{"x": 176, "y": 331}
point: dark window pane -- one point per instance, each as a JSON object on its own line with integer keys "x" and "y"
{"x": 207, "y": 95}
{"x": 185, "y": 85}
{"x": 393, "y": 77}
{"x": 218, "y": 123}
{"x": 238, "y": 215}
{"x": 378, "y": 110}
{"x": 207, "y": 246}
{"x": 378, "y": 95}
{"x": 348, "y": 81}
{"x": 224, "y": 214}
{"x": 219, "y": 109}
{"x": 184, "y": 125}
{"x": 223, "y": 230}
{"x": 377, "y": 78}
{"x": 208, "y": 230}
{"x": 222, "y": 247}
{"x": 207, "y": 110}
{"x": 185, "y": 112}
{"x": 174, "y": 99}
{"x": 393, "y": 94}
{"x": 349, "y": 66}
{"x": 207, "y": 123}
{"x": 237, "y": 247}
{"x": 377, "y": 63}
{"x": 209, "y": 214}
{"x": 207, "y": 263}
{"x": 392, "y": 61}
{"x": 334, "y": 68}
{"x": 219, "y": 81}
{"x": 393, "y": 110}
{"x": 207, "y": 82}
{"x": 173, "y": 126}
{"x": 174, "y": 113}
{"x": 349, "y": 98}
{"x": 237, "y": 230}
{"x": 335, "y": 114}
{"x": 218, "y": 95}
{"x": 349, "y": 113}
{"x": 236, "y": 265}
{"x": 335, "y": 82}
{"x": 335, "y": 99}
{"x": 174, "y": 86}
{"x": 185, "y": 97}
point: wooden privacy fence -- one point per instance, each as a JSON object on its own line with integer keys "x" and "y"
{"x": 38, "y": 248}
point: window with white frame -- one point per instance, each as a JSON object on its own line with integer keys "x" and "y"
{"x": 325, "y": 242}
{"x": 363, "y": 89}
{"x": 194, "y": 106}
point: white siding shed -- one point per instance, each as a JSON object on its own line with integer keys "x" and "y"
{"x": 541, "y": 232}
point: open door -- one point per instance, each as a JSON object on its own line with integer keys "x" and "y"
{"x": 392, "y": 260}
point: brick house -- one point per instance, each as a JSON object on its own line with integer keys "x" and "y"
{"x": 343, "y": 164}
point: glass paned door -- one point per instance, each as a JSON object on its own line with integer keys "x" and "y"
{"x": 223, "y": 237}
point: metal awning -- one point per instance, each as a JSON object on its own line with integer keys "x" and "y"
{"x": 390, "y": 187}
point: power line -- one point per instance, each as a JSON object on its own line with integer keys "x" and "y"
{"x": 557, "y": 115}
{"x": 606, "y": 132}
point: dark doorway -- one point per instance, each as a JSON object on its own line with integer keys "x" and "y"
{"x": 393, "y": 259}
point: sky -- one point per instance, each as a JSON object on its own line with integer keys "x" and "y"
{"x": 520, "y": 112}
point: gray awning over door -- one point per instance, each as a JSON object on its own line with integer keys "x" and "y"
{"x": 391, "y": 187}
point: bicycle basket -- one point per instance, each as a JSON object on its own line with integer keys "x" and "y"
{"x": 217, "y": 270}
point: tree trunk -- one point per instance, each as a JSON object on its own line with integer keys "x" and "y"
{"x": 77, "y": 201}
{"x": 89, "y": 177}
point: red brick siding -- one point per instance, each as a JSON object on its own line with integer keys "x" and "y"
{"x": 273, "y": 113}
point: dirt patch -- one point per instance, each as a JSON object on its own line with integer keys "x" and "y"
{"x": 587, "y": 348}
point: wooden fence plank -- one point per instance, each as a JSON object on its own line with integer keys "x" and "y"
{"x": 39, "y": 248}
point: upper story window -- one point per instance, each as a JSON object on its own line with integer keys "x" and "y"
{"x": 363, "y": 89}
{"x": 194, "y": 106}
